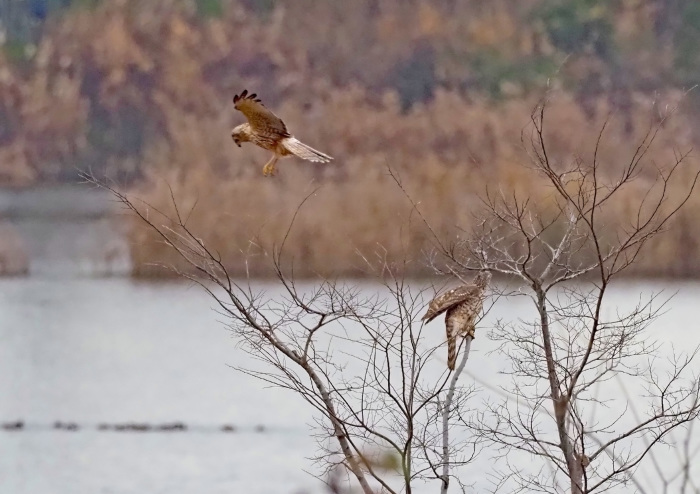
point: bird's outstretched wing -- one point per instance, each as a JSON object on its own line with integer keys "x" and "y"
{"x": 449, "y": 299}
{"x": 261, "y": 120}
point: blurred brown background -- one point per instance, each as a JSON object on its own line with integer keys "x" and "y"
{"x": 140, "y": 93}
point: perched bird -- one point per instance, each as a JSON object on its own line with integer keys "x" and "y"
{"x": 267, "y": 130}
{"x": 463, "y": 305}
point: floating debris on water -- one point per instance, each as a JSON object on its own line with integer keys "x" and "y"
{"x": 132, "y": 427}
{"x": 176, "y": 426}
{"x": 13, "y": 426}
{"x": 66, "y": 426}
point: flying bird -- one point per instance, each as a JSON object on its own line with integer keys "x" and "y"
{"x": 267, "y": 130}
{"x": 463, "y": 305}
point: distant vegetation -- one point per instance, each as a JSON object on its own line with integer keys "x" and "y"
{"x": 440, "y": 91}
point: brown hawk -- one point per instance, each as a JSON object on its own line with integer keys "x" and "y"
{"x": 267, "y": 130}
{"x": 463, "y": 305}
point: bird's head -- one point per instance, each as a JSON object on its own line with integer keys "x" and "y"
{"x": 483, "y": 278}
{"x": 239, "y": 134}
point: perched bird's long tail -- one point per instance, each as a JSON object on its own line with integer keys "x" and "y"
{"x": 298, "y": 148}
{"x": 451, "y": 343}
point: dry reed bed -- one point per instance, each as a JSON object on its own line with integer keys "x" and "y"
{"x": 446, "y": 154}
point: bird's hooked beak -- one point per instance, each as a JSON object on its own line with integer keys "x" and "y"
{"x": 235, "y": 139}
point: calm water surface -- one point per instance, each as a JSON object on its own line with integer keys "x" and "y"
{"x": 115, "y": 350}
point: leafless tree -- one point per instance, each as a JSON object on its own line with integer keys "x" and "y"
{"x": 389, "y": 414}
{"x": 385, "y": 404}
{"x": 579, "y": 356}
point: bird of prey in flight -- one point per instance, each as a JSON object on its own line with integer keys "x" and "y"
{"x": 268, "y": 131}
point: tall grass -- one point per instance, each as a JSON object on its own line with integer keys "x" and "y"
{"x": 446, "y": 154}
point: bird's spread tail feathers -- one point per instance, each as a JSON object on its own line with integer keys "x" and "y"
{"x": 298, "y": 148}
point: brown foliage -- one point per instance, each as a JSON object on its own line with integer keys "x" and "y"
{"x": 446, "y": 154}
{"x": 142, "y": 89}
{"x": 104, "y": 83}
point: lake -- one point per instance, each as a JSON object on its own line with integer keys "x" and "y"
{"x": 115, "y": 350}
